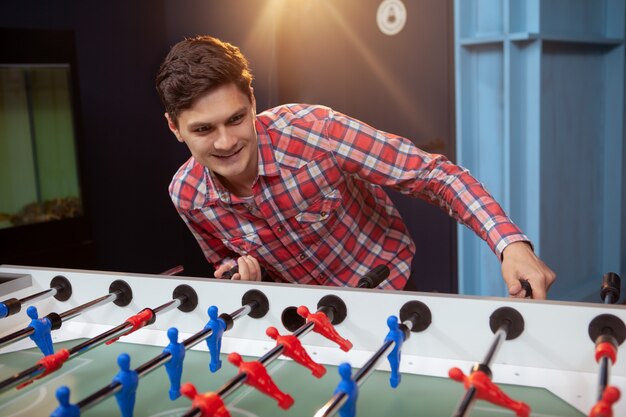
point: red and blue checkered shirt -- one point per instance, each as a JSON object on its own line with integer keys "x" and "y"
{"x": 318, "y": 214}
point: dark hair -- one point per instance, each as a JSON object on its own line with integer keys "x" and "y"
{"x": 196, "y": 66}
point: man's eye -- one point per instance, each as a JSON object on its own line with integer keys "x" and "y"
{"x": 236, "y": 119}
{"x": 203, "y": 129}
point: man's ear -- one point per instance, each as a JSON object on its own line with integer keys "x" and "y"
{"x": 173, "y": 128}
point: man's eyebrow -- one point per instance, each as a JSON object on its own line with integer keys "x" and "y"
{"x": 196, "y": 125}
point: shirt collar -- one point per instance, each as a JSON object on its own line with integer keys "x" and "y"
{"x": 267, "y": 160}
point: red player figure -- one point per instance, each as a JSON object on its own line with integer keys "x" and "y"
{"x": 292, "y": 348}
{"x": 604, "y": 407}
{"x": 324, "y": 327}
{"x": 210, "y": 404}
{"x": 488, "y": 391}
{"x": 257, "y": 377}
{"x": 606, "y": 350}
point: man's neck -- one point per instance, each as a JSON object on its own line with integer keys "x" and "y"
{"x": 239, "y": 188}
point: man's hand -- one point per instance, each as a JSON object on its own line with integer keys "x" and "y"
{"x": 249, "y": 269}
{"x": 520, "y": 262}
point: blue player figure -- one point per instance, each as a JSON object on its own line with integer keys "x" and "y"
{"x": 42, "y": 327}
{"x": 129, "y": 380}
{"x": 214, "y": 341}
{"x": 174, "y": 366}
{"x": 349, "y": 387}
{"x": 396, "y": 335}
{"x": 4, "y": 310}
{"x": 65, "y": 409}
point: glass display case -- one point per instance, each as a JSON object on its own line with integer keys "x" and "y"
{"x": 44, "y": 215}
{"x": 39, "y": 179}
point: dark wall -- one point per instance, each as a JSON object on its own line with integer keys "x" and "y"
{"x": 332, "y": 52}
{"x": 128, "y": 155}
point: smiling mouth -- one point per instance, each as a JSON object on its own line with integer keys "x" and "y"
{"x": 229, "y": 155}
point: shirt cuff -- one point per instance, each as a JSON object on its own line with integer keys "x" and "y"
{"x": 502, "y": 234}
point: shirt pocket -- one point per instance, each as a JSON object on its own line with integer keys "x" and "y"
{"x": 321, "y": 209}
{"x": 319, "y": 219}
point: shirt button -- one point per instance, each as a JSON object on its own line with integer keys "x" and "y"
{"x": 324, "y": 214}
{"x": 301, "y": 256}
{"x": 249, "y": 207}
{"x": 279, "y": 229}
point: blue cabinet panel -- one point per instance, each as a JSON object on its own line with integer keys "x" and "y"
{"x": 540, "y": 120}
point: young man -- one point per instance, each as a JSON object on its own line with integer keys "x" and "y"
{"x": 297, "y": 189}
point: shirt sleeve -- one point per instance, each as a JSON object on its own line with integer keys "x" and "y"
{"x": 214, "y": 250}
{"x": 389, "y": 160}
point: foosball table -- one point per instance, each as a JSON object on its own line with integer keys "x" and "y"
{"x": 162, "y": 345}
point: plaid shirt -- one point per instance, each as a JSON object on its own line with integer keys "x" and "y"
{"x": 318, "y": 214}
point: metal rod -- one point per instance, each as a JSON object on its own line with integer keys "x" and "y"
{"x": 369, "y": 366}
{"x": 116, "y": 332}
{"x": 99, "y": 396}
{"x": 100, "y": 339}
{"x": 157, "y": 361}
{"x": 239, "y": 379}
{"x": 34, "y": 371}
{"x": 470, "y": 394}
{"x": 243, "y": 311}
{"x": 603, "y": 380}
{"x": 50, "y": 292}
{"x": 466, "y": 403}
{"x": 67, "y": 315}
{"x": 336, "y": 401}
{"x": 170, "y": 305}
{"x": 500, "y": 336}
{"x": 15, "y": 336}
{"x": 304, "y": 329}
{"x": 77, "y": 311}
{"x": 21, "y": 377}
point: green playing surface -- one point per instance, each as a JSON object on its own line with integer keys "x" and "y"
{"x": 416, "y": 396}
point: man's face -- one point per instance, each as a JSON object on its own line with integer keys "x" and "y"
{"x": 219, "y": 131}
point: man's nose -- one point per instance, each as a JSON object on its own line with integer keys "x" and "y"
{"x": 225, "y": 140}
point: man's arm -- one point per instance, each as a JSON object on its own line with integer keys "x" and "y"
{"x": 406, "y": 168}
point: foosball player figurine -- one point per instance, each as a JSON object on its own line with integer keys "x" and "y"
{"x": 608, "y": 332}
{"x": 129, "y": 380}
{"x": 324, "y": 327}
{"x": 488, "y": 391}
{"x": 209, "y": 403}
{"x": 604, "y": 407}
{"x": 174, "y": 366}
{"x": 397, "y": 335}
{"x": 292, "y": 348}
{"x": 348, "y": 387}
{"x": 42, "y": 331}
{"x": 214, "y": 341}
{"x": 65, "y": 409}
{"x": 257, "y": 377}
{"x": 606, "y": 353}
